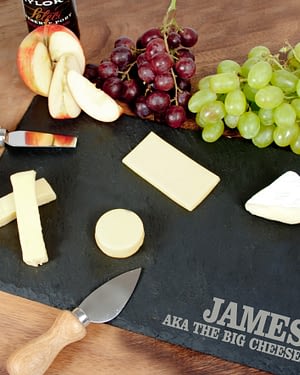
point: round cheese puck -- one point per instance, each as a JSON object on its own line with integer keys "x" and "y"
{"x": 119, "y": 233}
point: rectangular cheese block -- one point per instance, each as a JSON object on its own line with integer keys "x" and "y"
{"x": 44, "y": 195}
{"x": 28, "y": 218}
{"x": 172, "y": 172}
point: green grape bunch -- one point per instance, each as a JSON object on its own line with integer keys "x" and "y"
{"x": 259, "y": 99}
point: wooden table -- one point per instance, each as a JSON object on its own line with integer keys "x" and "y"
{"x": 227, "y": 29}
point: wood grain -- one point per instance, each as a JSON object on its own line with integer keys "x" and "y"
{"x": 37, "y": 355}
{"x": 227, "y": 29}
{"x": 105, "y": 349}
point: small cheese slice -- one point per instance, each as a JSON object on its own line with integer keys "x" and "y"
{"x": 44, "y": 195}
{"x": 172, "y": 172}
{"x": 279, "y": 201}
{"x": 119, "y": 233}
{"x": 28, "y": 218}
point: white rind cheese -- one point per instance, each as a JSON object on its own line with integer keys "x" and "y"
{"x": 44, "y": 195}
{"x": 119, "y": 233}
{"x": 172, "y": 172}
{"x": 280, "y": 201}
{"x": 28, "y": 218}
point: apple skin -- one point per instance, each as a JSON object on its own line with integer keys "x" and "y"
{"x": 40, "y": 50}
{"x": 33, "y": 60}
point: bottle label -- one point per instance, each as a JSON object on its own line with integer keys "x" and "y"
{"x": 39, "y": 12}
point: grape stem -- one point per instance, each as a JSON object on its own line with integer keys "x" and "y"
{"x": 290, "y": 48}
{"x": 125, "y": 74}
{"x": 169, "y": 18}
{"x": 169, "y": 21}
{"x": 274, "y": 59}
{"x": 172, "y": 6}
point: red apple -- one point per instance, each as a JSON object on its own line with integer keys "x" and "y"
{"x": 39, "y": 52}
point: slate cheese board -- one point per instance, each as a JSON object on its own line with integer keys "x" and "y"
{"x": 217, "y": 279}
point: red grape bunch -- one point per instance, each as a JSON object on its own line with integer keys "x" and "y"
{"x": 152, "y": 75}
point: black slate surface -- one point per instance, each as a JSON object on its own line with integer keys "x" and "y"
{"x": 219, "y": 251}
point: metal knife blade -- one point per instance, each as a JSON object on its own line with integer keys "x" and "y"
{"x": 102, "y": 305}
{"x": 28, "y": 138}
{"x": 114, "y": 295}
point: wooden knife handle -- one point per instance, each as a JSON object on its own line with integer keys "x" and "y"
{"x": 37, "y": 355}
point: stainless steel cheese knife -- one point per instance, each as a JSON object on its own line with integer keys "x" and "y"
{"x": 102, "y": 305}
{"x": 28, "y": 138}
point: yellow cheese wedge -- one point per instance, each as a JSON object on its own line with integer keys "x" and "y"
{"x": 44, "y": 195}
{"x": 119, "y": 233}
{"x": 28, "y": 218}
{"x": 172, "y": 172}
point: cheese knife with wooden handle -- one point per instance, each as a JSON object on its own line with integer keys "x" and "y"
{"x": 101, "y": 306}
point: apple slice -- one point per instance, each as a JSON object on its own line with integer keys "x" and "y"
{"x": 61, "y": 103}
{"x": 62, "y": 42}
{"x": 40, "y": 50}
{"x": 93, "y": 101}
{"x": 33, "y": 62}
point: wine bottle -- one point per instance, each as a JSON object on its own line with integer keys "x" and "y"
{"x": 42, "y": 12}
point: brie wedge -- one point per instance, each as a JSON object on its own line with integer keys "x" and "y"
{"x": 28, "y": 218}
{"x": 280, "y": 201}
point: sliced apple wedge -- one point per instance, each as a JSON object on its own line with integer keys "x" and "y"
{"x": 62, "y": 42}
{"x": 34, "y": 62}
{"x": 93, "y": 101}
{"x": 61, "y": 103}
{"x": 40, "y": 50}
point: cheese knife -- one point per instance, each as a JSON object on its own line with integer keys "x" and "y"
{"x": 28, "y": 138}
{"x": 101, "y": 306}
